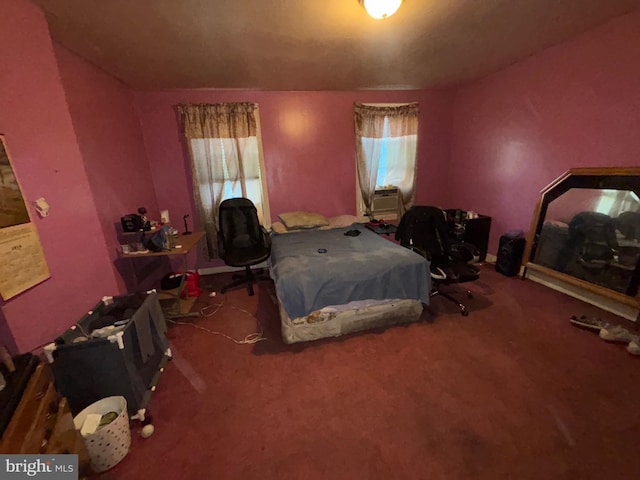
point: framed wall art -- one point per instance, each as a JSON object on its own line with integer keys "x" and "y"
{"x": 22, "y": 261}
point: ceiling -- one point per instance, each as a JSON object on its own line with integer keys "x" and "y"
{"x": 314, "y": 44}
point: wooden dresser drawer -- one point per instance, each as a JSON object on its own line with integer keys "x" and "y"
{"x": 36, "y": 407}
{"x": 43, "y": 424}
{"x": 64, "y": 433}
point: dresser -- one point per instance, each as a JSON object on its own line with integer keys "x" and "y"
{"x": 471, "y": 230}
{"x": 42, "y": 422}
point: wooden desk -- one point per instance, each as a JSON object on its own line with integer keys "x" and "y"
{"x": 171, "y": 299}
{"x": 184, "y": 242}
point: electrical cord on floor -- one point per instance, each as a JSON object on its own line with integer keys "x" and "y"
{"x": 204, "y": 311}
{"x": 250, "y": 339}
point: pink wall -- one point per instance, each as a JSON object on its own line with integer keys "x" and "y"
{"x": 574, "y": 105}
{"x": 434, "y": 157}
{"x": 490, "y": 147}
{"x": 110, "y": 140}
{"x": 308, "y": 141}
{"x": 35, "y": 120}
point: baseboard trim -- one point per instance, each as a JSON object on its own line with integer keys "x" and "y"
{"x": 600, "y": 301}
{"x": 624, "y": 311}
{"x": 493, "y": 259}
{"x": 227, "y": 269}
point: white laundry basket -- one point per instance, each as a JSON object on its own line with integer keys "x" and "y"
{"x": 110, "y": 443}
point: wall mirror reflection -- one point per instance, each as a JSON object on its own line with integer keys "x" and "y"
{"x": 586, "y": 230}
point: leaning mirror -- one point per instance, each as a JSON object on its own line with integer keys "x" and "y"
{"x": 586, "y": 232}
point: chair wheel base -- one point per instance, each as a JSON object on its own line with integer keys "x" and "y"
{"x": 248, "y": 279}
{"x": 463, "y": 308}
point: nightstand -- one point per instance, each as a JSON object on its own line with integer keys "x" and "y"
{"x": 470, "y": 230}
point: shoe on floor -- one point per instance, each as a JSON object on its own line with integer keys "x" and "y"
{"x": 616, "y": 334}
{"x": 634, "y": 346}
{"x": 592, "y": 323}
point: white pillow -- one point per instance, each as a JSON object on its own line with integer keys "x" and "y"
{"x": 296, "y": 220}
{"x": 278, "y": 227}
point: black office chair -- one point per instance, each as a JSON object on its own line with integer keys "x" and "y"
{"x": 242, "y": 241}
{"x": 592, "y": 238}
{"x": 424, "y": 230}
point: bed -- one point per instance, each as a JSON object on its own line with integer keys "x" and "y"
{"x": 329, "y": 284}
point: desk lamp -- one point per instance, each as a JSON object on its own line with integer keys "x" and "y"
{"x": 186, "y": 228}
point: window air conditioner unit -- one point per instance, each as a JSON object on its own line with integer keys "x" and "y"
{"x": 386, "y": 201}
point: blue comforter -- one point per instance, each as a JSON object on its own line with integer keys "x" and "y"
{"x": 314, "y": 269}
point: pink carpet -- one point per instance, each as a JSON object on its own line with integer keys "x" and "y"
{"x": 511, "y": 391}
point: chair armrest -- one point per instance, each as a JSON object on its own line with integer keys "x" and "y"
{"x": 267, "y": 237}
{"x": 464, "y": 252}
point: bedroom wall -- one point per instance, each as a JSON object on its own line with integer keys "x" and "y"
{"x": 106, "y": 124}
{"x": 39, "y": 132}
{"x": 576, "y": 104}
{"x": 308, "y": 141}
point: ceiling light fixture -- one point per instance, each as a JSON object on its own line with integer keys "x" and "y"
{"x": 381, "y": 9}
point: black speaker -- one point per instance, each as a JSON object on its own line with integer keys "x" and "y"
{"x": 510, "y": 253}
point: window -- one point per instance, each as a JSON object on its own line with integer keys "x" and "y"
{"x": 386, "y": 148}
{"x": 231, "y": 178}
{"x": 397, "y": 155}
{"x": 226, "y": 158}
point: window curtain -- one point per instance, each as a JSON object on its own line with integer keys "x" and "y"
{"x": 225, "y": 159}
{"x": 401, "y": 131}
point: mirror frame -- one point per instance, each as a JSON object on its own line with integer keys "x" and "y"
{"x": 618, "y": 178}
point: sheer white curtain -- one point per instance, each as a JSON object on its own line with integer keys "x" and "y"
{"x": 226, "y": 160}
{"x": 387, "y": 138}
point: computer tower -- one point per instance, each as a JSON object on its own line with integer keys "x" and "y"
{"x": 510, "y": 252}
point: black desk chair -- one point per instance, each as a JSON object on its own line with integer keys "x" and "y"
{"x": 592, "y": 239}
{"x": 424, "y": 230}
{"x": 242, "y": 241}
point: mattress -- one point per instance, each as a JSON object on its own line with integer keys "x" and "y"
{"x": 329, "y": 283}
{"x": 336, "y": 320}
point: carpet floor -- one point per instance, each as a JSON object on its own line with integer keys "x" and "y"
{"x": 514, "y": 390}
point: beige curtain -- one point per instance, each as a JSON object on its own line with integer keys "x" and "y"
{"x": 222, "y": 141}
{"x": 402, "y": 129}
